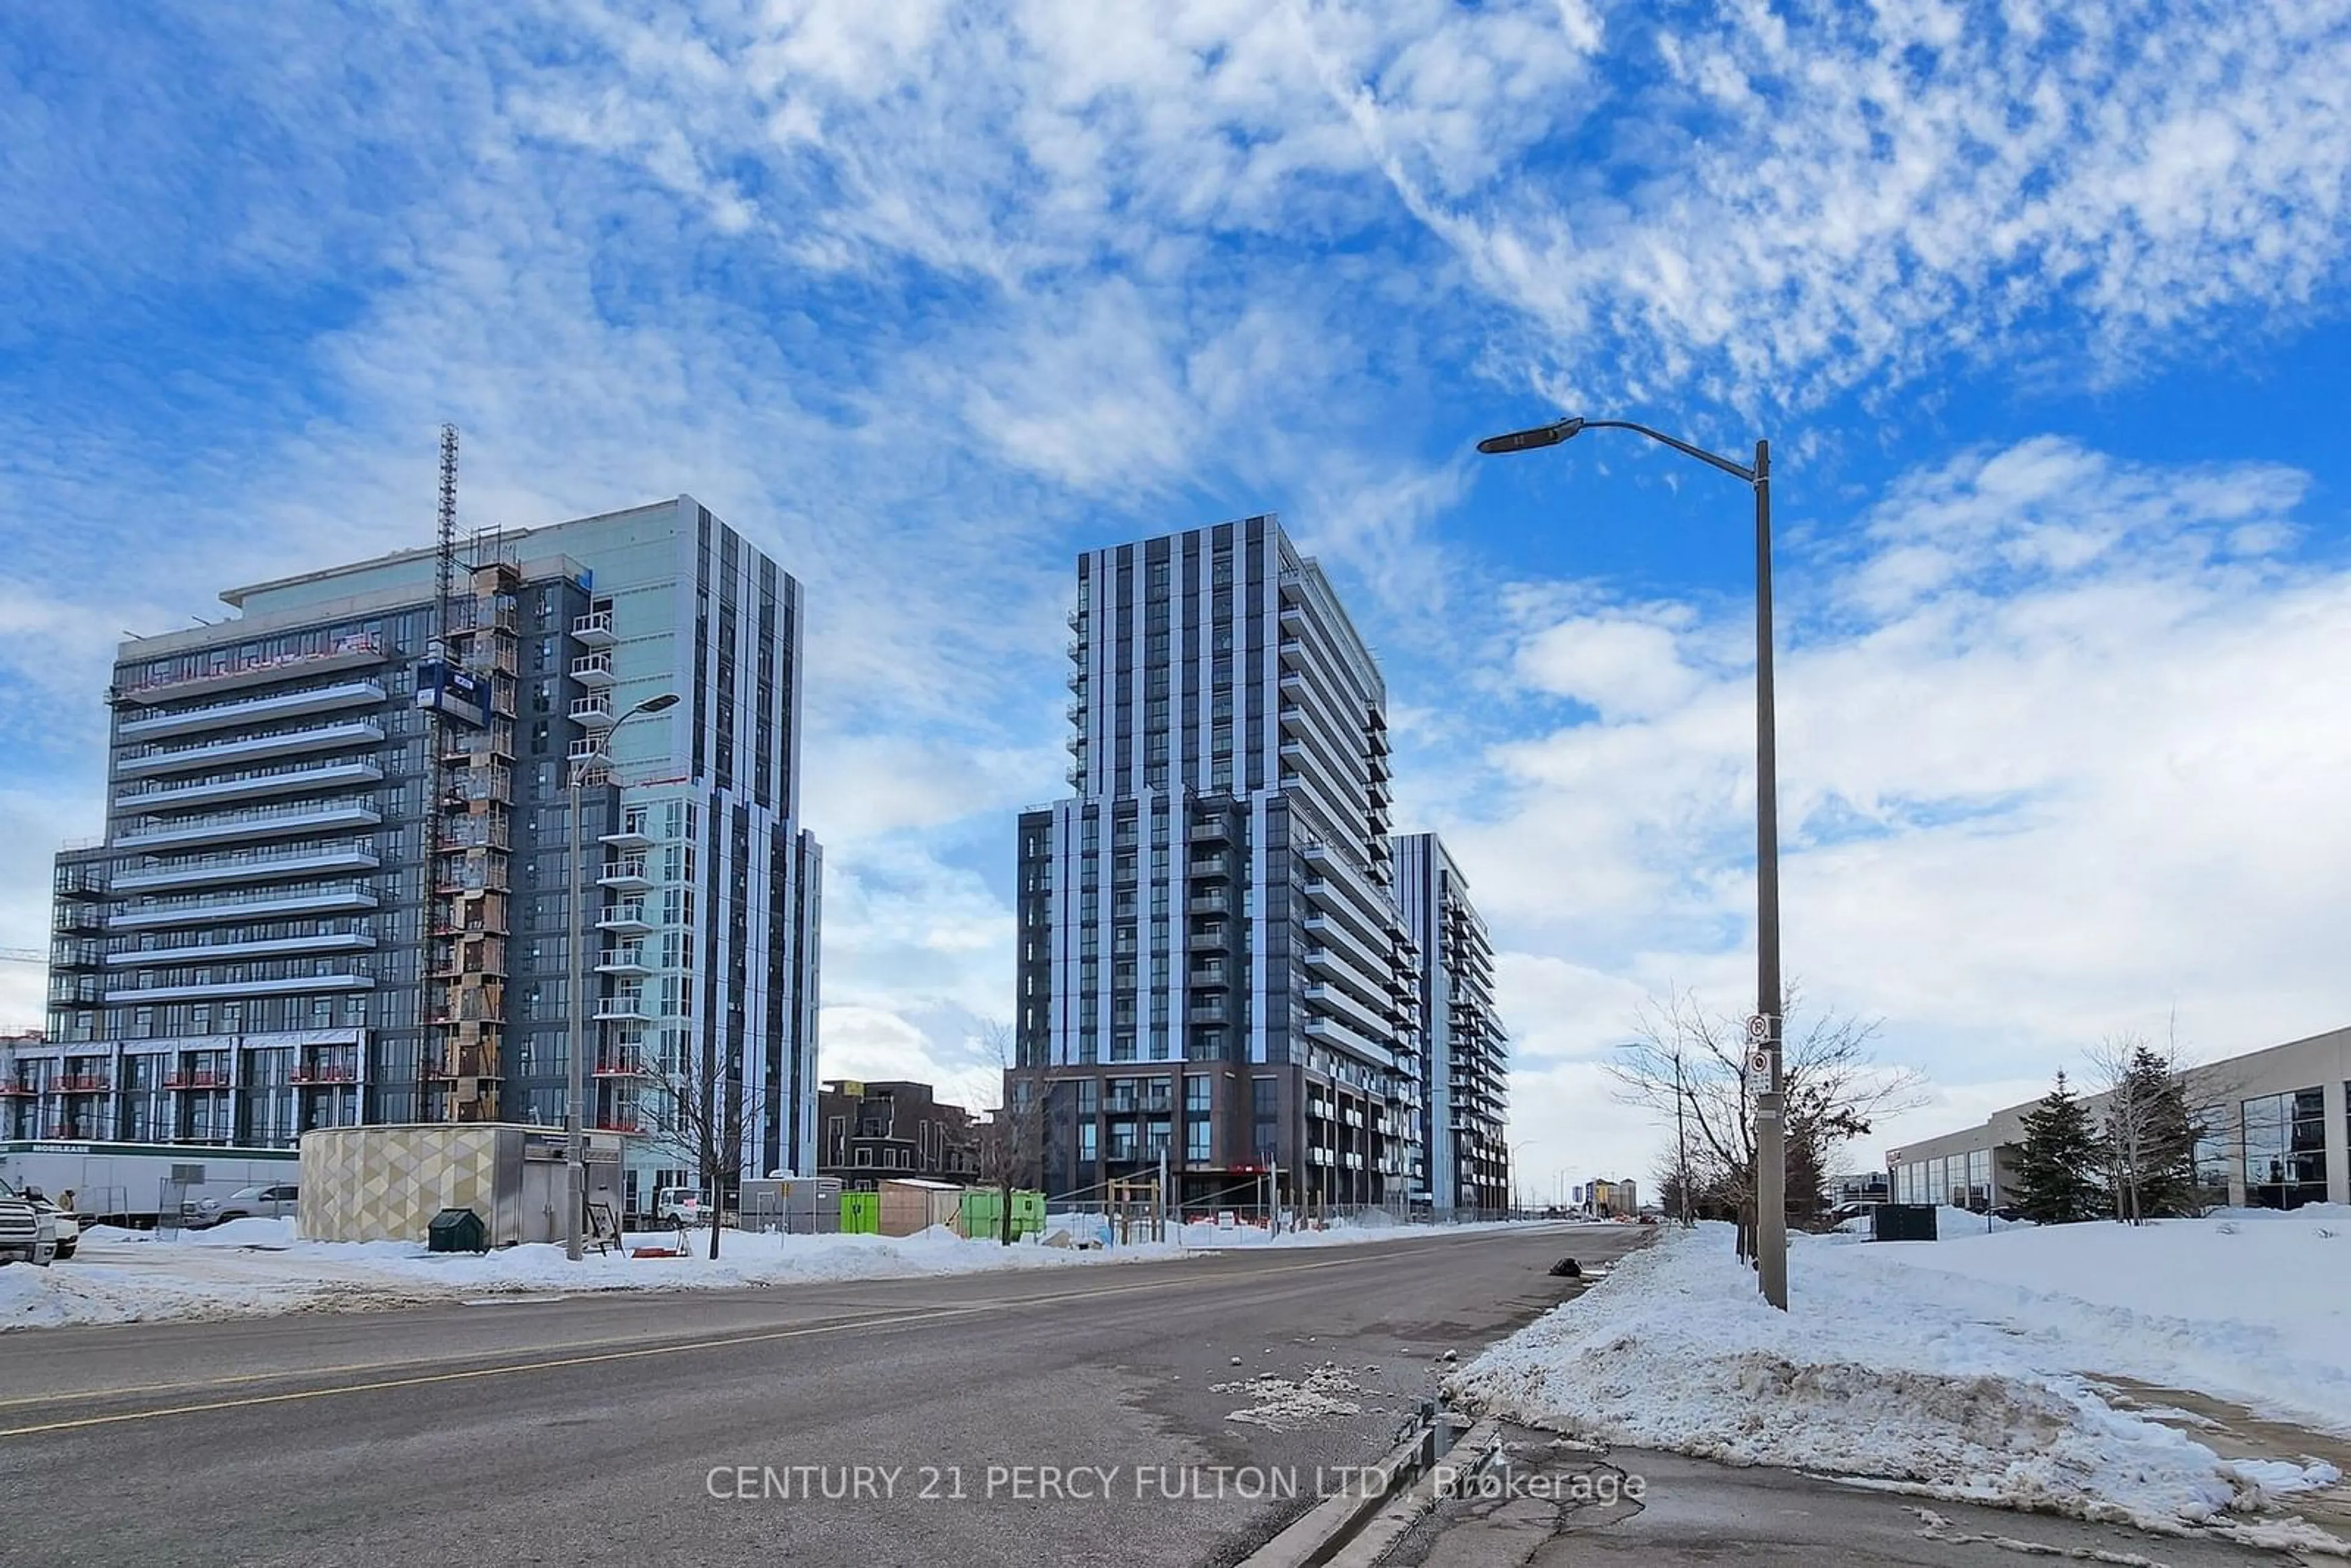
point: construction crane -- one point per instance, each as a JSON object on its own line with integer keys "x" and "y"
{"x": 23, "y": 956}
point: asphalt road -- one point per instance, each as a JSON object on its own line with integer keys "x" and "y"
{"x": 1061, "y": 1416}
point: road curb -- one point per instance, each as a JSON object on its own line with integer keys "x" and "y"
{"x": 1311, "y": 1538}
{"x": 1394, "y": 1520}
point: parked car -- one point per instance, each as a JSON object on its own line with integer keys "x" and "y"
{"x": 245, "y": 1202}
{"x": 28, "y": 1234}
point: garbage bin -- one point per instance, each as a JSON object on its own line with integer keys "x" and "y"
{"x": 456, "y": 1230}
{"x": 1902, "y": 1222}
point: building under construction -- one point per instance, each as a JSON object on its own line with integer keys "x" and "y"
{"x": 333, "y": 888}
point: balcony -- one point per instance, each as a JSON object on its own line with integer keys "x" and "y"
{"x": 625, "y": 920}
{"x": 1209, "y": 904}
{"x": 252, "y": 786}
{"x": 631, "y": 834}
{"x": 1332, "y": 1033}
{"x": 626, "y": 874}
{"x": 593, "y": 670}
{"x": 595, "y": 712}
{"x": 298, "y": 985}
{"x": 249, "y": 906}
{"x": 1209, "y": 1010}
{"x": 252, "y": 710}
{"x": 86, "y": 1083}
{"x": 624, "y": 958}
{"x": 201, "y": 1078}
{"x": 78, "y": 919}
{"x": 1210, "y": 938}
{"x": 619, "y": 1065}
{"x": 80, "y": 879}
{"x": 258, "y": 822}
{"x": 74, "y": 991}
{"x": 256, "y": 748}
{"x": 252, "y": 868}
{"x": 344, "y": 653}
{"x": 627, "y": 1005}
{"x": 328, "y": 942}
{"x": 593, "y": 630}
{"x": 72, "y": 956}
{"x": 1216, "y": 829}
{"x": 324, "y": 1074}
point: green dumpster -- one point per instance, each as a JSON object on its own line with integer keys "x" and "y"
{"x": 983, "y": 1213}
{"x": 456, "y": 1230}
{"x": 860, "y": 1214}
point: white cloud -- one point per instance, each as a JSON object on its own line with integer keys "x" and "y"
{"x": 925, "y": 298}
{"x": 2051, "y": 792}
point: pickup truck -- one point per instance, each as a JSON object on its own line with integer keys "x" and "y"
{"x": 69, "y": 1223}
{"x": 28, "y": 1233}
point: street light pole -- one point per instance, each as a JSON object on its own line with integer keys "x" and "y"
{"x": 1771, "y": 1144}
{"x": 575, "y": 1129}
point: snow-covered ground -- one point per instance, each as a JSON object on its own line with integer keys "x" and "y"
{"x": 1964, "y": 1367}
{"x": 250, "y": 1267}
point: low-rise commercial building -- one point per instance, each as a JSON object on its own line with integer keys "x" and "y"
{"x": 2276, "y": 1135}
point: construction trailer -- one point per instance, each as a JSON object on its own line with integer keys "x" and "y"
{"x": 909, "y": 1207}
{"x": 138, "y": 1185}
{"x": 386, "y": 1184}
{"x": 792, "y": 1205}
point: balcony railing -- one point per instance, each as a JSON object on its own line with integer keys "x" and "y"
{"x": 323, "y": 1074}
{"x": 204, "y": 1078}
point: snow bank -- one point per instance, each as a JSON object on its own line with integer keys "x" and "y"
{"x": 134, "y": 1277}
{"x": 256, "y": 1267}
{"x": 1891, "y": 1366}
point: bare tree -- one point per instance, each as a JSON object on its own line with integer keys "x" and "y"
{"x": 708, "y": 1120}
{"x": 1012, "y": 1138}
{"x": 2156, "y": 1110}
{"x": 1690, "y": 1065}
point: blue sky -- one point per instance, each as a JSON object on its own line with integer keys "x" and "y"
{"x": 2042, "y": 309}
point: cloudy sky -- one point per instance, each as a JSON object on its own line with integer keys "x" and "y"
{"x": 2043, "y": 308}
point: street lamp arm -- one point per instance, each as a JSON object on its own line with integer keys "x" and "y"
{"x": 1737, "y": 470}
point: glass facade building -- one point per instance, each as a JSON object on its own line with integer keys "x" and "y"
{"x": 1213, "y": 967}
{"x": 334, "y": 883}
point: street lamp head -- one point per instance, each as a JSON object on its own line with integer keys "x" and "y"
{"x": 661, "y": 704}
{"x": 1528, "y": 440}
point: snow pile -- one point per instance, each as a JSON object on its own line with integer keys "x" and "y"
{"x": 1280, "y": 1403}
{"x": 118, "y": 1278}
{"x": 1877, "y": 1371}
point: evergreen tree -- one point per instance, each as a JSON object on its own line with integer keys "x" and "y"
{"x": 2150, "y": 1141}
{"x": 2055, "y": 1168}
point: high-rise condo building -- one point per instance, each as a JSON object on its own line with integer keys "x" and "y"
{"x": 1465, "y": 1083}
{"x": 334, "y": 884}
{"x": 1212, "y": 967}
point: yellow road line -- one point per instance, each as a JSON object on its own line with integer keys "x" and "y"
{"x": 636, "y": 1352}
